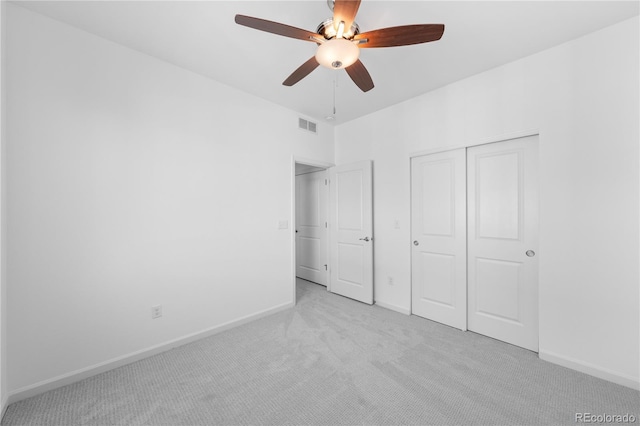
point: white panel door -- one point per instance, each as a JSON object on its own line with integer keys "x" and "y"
{"x": 502, "y": 191}
{"x": 351, "y": 230}
{"x": 311, "y": 231}
{"x": 439, "y": 239}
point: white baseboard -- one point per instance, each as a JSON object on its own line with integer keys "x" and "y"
{"x": 84, "y": 373}
{"x": 592, "y": 370}
{"x": 393, "y": 307}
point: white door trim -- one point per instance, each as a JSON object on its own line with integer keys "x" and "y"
{"x": 292, "y": 215}
{"x": 482, "y": 141}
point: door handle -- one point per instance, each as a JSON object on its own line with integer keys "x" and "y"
{"x": 416, "y": 243}
{"x": 364, "y": 239}
{"x": 530, "y": 253}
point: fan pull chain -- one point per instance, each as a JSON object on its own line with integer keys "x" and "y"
{"x": 335, "y": 83}
{"x": 333, "y": 115}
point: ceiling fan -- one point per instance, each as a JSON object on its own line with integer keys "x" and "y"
{"x": 339, "y": 41}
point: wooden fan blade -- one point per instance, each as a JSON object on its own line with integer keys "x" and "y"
{"x": 302, "y": 71}
{"x": 401, "y": 36}
{"x": 360, "y": 76}
{"x": 275, "y": 28}
{"x": 345, "y": 10}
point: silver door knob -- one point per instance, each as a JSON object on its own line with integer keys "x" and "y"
{"x": 416, "y": 243}
{"x": 530, "y": 253}
{"x": 364, "y": 239}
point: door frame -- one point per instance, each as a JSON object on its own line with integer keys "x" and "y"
{"x": 482, "y": 141}
{"x": 470, "y": 144}
{"x": 292, "y": 230}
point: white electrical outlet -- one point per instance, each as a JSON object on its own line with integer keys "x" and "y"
{"x": 390, "y": 280}
{"x": 396, "y": 224}
{"x": 156, "y": 311}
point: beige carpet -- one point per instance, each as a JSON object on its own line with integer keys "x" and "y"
{"x": 332, "y": 361}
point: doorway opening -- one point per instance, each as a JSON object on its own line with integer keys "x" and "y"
{"x": 332, "y": 211}
{"x": 311, "y": 223}
{"x": 310, "y": 239}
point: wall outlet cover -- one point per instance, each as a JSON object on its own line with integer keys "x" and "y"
{"x": 156, "y": 311}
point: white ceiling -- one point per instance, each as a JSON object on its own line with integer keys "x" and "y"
{"x": 202, "y": 36}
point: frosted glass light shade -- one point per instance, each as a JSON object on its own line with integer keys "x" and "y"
{"x": 337, "y": 53}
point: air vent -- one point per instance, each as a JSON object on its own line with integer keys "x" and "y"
{"x": 307, "y": 125}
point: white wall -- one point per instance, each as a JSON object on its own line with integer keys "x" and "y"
{"x": 582, "y": 96}
{"x": 131, "y": 183}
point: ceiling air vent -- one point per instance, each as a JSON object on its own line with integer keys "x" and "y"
{"x": 307, "y": 125}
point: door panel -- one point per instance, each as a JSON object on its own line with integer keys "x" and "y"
{"x": 350, "y": 260}
{"x": 351, "y": 230}
{"x": 498, "y": 285}
{"x": 438, "y": 214}
{"x": 498, "y": 200}
{"x": 503, "y": 224}
{"x": 349, "y": 188}
{"x": 311, "y": 238}
{"x": 441, "y": 269}
{"x": 438, "y": 184}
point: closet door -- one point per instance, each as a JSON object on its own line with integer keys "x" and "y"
{"x": 438, "y": 246}
{"x": 502, "y": 200}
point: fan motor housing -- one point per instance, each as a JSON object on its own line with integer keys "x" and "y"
{"x": 328, "y": 30}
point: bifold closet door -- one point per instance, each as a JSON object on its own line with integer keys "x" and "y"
{"x": 438, "y": 215}
{"x": 502, "y": 202}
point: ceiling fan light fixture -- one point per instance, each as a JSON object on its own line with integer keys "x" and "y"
{"x": 337, "y": 53}
{"x": 339, "y": 41}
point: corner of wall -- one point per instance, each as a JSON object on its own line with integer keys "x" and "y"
{"x": 3, "y": 299}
